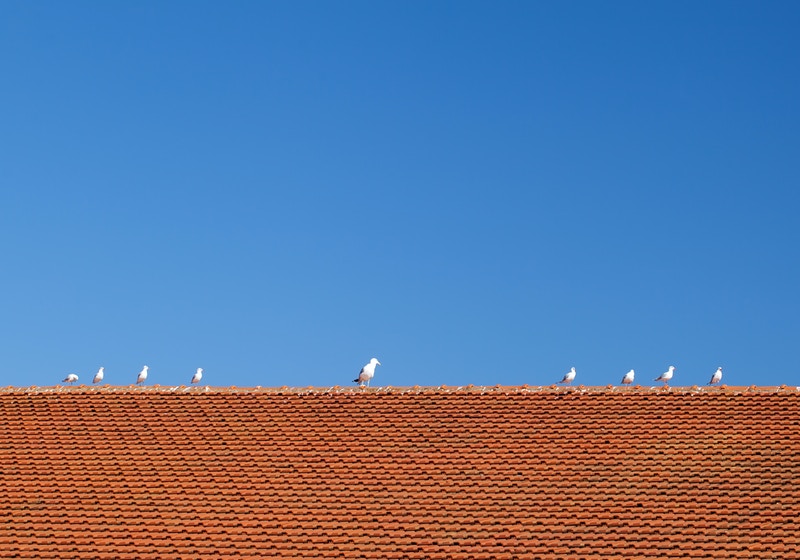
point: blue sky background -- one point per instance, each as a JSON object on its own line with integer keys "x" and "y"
{"x": 473, "y": 192}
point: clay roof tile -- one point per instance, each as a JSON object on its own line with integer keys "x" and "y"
{"x": 437, "y": 472}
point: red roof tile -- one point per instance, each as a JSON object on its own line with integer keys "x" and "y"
{"x": 501, "y": 472}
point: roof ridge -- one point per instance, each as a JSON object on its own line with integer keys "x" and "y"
{"x": 432, "y": 389}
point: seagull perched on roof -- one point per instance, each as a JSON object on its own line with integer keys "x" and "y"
{"x": 367, "y": 372}
{"x": 98, "y": 377}
{"x": 666, "y": 376}
{"x": 142, "y": 375}
{"x": 628, "y": 378}
{"x": 569, "y": 377}
{"x": 71, "y": 378}
{"x": 717, "y": 377}
{"x": 198, "y": 375}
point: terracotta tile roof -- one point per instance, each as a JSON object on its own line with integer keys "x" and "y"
{"x": 504, "y": 472}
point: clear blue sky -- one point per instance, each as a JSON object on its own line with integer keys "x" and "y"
{"x": 473, "y": 192}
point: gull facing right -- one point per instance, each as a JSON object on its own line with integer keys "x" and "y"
{"x": 367, "y": 372}
{"x": 666, "y": 376}
{"x": 569, "y": 377}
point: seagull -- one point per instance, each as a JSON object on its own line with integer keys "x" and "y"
{"x": 71, "y": 378}
{"x": 628, "y": 379}
{"x": 198, "y": 375}
{"x": 569, "y": 377}
{"x": 98, "y": 377}
{"x": 367, "y": 372}
{"x": 142, "y": 375}
{"x": 666, "y": 376}
{"x": 717, "y": 377}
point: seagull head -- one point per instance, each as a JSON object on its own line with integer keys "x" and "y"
{"x": 672, "y": 368}
{"x": 375, "y": 361}
{"x": 199, "y": 370}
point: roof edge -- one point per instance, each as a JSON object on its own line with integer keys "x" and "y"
{"x": 495, "y": 389}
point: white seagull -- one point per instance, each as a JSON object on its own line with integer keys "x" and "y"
{"x": 71, "y": 378}
{"x": 717, "y": 377}
{"x": 367, "y": 372}
{"x": 628, "y": 379}
{"x": 142, "y": 375}
{"x": 666, "y": 376}
{"x": 569, "y": 377}
{"x": 98, "y": 377}
{"x": 198, "y": 375}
